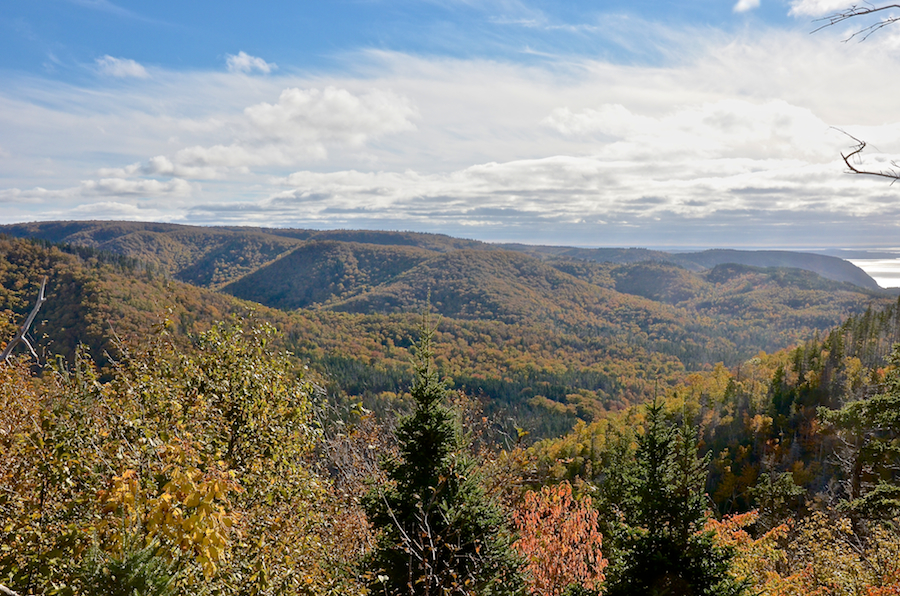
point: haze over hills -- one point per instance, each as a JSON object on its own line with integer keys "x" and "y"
{"x": 829, "y": 267}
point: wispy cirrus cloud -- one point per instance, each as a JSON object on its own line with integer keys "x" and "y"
{"x": 111, "y": 8}
{"x": 121, "y": 67}
{"x": 104, "y": 6}
{"x": 243, "y": 62}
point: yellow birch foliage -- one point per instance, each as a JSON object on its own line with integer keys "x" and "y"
{"x": 758, "y": 560}
{"x": 560, "y": 540}
{"x": 191, "y": 514}
{"x": 196, "y": 450}
{"x": 817, "y": 556}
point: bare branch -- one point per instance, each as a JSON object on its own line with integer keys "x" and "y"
{"x": 20, "y": 336}
{"x": 7, "y": 592}
{"x": 892, "y": 175}
{"x": 859, "y": 11}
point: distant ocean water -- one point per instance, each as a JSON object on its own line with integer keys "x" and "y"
{"x": 886, "y": 272}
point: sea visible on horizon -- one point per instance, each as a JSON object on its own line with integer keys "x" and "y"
{"x": 881, "y": 264}
{"x": 885, "y": 272}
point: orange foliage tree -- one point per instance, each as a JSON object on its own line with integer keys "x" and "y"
{"x": 560, "y": 541}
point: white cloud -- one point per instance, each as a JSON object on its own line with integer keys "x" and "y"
{"x": 300, "y": 127}
{"x": 121, "y": 67}
{"x": 543, "y": 198}
{"x": 728, "y": 128}
{"x": 15, "y": 195}
{"x": 104, "y": 187}
{"x": 332, "y": 114}
{"x": 246, "y": 63}
{"x": 745, "y": 5}
{"x": 729, "y": 131}
{"x": 303, "y": 126}
{"x": 817, "y": 8}
{"x": 144, "y": 187}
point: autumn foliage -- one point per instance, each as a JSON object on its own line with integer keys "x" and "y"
{"x": 560, "y": 541}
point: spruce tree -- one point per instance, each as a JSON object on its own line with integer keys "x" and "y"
{"x": 439, "y": 534}
{"x": 662, "y": 547}
{"x": 869, "y": 431}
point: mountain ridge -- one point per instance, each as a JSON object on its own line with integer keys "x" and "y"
{"x": 187, "y": 245}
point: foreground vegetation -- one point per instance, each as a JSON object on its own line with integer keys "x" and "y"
{"x": 198, "y": 467}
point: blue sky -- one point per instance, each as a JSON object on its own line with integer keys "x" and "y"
{"x": 55, "y": 37}
{"x": 652, "y": 123}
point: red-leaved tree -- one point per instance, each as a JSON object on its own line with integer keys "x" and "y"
{"x": 560, "y": 541}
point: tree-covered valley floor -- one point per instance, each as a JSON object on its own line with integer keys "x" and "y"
{"x": 733, "y": 426}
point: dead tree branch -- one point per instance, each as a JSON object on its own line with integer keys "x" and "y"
{"x": 21, "y": 335}
{"x": 859, "y": 11}
{"x": 7, "y": 592}
{"x": 892, "y": 175}
{"x": 853, "y": 12}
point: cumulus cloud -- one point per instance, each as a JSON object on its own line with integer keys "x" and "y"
{"x": 144, "y": 187}
{"x": 571, "y": 199}
{"x": 121, "y": 67}
{"x": 745, "y": 5}
{"x": 16, "y": 195}
{"x": 300, "y": 127}
{"x": 243, "y": 62}
{"x": 333, "y": 115}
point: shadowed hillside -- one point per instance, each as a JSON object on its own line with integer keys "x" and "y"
{"x": 323, "y": 271}
{"x": 504, "y": 286}
{"x": 202, "y": 256}
{"x": 828, "y": 267}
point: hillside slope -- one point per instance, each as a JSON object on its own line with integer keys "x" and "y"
{"x": 323, "y": 271}
{"x": 545, "y": 338}
{"x": 214, "y": 256}
{"x": 829, "y": 267}
{"x": 208, "y": 257}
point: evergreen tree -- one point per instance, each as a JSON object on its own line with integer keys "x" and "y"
{"x": 439, "y": 533}
{"x": 869, "y": 430}
{"x": 138, "y": 572}
{"x": 663, "y": 548}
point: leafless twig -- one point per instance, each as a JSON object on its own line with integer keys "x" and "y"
{"x": 893, "y": 174}
{"x": 859, "y": 11}
{"x": 20, "y": 336}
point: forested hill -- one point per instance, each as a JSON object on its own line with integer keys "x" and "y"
{"x": 211, "y": 256}
{"x": 214, "y": 256}
{"x": 829, "y": 267}
{"x": 546, "y": 340}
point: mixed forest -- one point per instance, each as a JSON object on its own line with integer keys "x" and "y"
{"x": 262, "y": 411}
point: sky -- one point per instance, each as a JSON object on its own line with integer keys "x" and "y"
{"x": 659, "y": 123}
